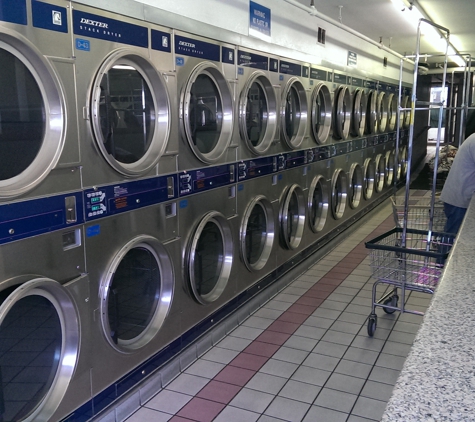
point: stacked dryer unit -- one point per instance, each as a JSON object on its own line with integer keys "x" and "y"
{"x": 44, "y": 292}
{"x": 256, "y": 228}
{"x": 206, "y": 76}
{"x": 127, "y": 108}
{"x": 319, "y": 219}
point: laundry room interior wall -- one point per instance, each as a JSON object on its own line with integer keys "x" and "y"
{"x": 291, "y": 29}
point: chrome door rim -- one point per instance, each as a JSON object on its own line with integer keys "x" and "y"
{"x": 161, "y": 115}
{"x": 162, "y": 308}
{"x": 318, "y": 224}
{"x": 321, "y": 135}
{"x": 264, "y": 203}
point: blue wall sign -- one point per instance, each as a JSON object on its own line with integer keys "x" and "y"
{"x": 95, "y": 26}
{"x": 48, "y": 16}
{"x": 259, "y": 19}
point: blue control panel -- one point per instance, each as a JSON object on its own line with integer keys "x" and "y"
{"x": 19, "y": 220}
{"x": 114, "y": 199}
{"x": 206, "y": 178}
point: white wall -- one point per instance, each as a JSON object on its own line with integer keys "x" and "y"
{"x": 293, "y": 31}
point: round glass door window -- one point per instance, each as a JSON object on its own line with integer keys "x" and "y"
{"x": 137, "y": 293}
{"x": 382, "y": 112}
{"x": 258, "y": 113}
{"x": 294, "y": 113}
{"x": 406, "y": 104}
{"x": 292, "y": 217}
{"x": 403, "y": 161}
{"x": 206, "y": 112}
{"x": 356, "y": 185}
{"x": 339, "y": 193}
{"x": 371, "y": 120}
{"x": 359, "y": 112}
{"x": 130, "y": 113}
{"x": 210, "y": 257}
{"x": 380, "y": 173}
{"x": 32, "y": 117}
{"x": 257, "y": 233}
{"x": 390, "y": 161}
{"x": 318, "y": 203}
{"x": 392, "y": 112}
{"x": 369, "y": 176}
{"x": 321, "y": 116}
{"x": 40, "y": 341}
{"x": 342, "y": 113}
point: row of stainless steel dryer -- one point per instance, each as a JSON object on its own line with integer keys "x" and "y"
{"x": 148, "y": 178}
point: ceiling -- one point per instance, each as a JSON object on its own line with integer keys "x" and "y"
{"x": 382, "y": 20}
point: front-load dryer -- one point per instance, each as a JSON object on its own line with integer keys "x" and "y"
{"x": 126, "y": 94}
{"x": 39, "y": 149}
{"x": 206, "y": 77}
{"x": 45, "y": 318}
{"x": 292, "y": 213}
{"x": 320, "y": 105}
{"x": 209, "y": 252}
{"x": 257, "y": 106}
{"x": 293, "y": 113}
{"x": 318, "y": 221}
{"x": 339, "y": 187}
{"x": 371, "y": 110}
{"x": 256, "y": 226}
{"x": 342, "y": 107}
{"x": 382, "y": 105}
{"x": 359, "y": 108}
{"x": 134, "y": 265}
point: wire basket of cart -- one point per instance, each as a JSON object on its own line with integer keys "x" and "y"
{"x": 408, "y": 260}
{"x": 418, "y": 213}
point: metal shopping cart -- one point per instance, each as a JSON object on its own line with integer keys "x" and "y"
{"x": 418, "y": 213}
{"x": 409, "y": 260}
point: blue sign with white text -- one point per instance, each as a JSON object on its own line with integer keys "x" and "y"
{"x": 197, "y": 48}
{"x": 95, "y": 26}
{"x": 259, "y": 18}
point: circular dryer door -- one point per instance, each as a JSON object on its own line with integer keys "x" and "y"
{"x": 32, "y": 116}
{"x": 321, "y": 117}
{"x": 294, "y": 113}
{"x": 136, "y": 293}
{"x": 356, "y": 185}
{"x": 318, "y": 203}
{"x": 390, "y": 162}
{"x": 258, "y": 113}
{"x": 339, "y": 193}
{"x": 403, "y": 161}
{"x": 381, "y": 112}
{"x": 380, "y": 164}
{"x": 392, "y": 112}
{"x": 39, "y": 331}
{"x": 210, "y": 257}
{"x": 292, "y": 217}
{"x": 371, "y": 119}
{"x": 369, "y": 177}
{"x": 257, "y": 233}
{"x": 342, "y": 113}
{"x": 359, "y": 112}
{"x": 206, "y": 111}
{"x": 130, "y": 113}
{"x": 406, "y": 104}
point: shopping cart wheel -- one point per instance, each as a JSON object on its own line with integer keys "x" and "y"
{"x": 391, "y": 301}
{"x": 372, "y": 321}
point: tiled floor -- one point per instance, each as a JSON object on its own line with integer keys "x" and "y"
{"x": 305, "y": 355}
